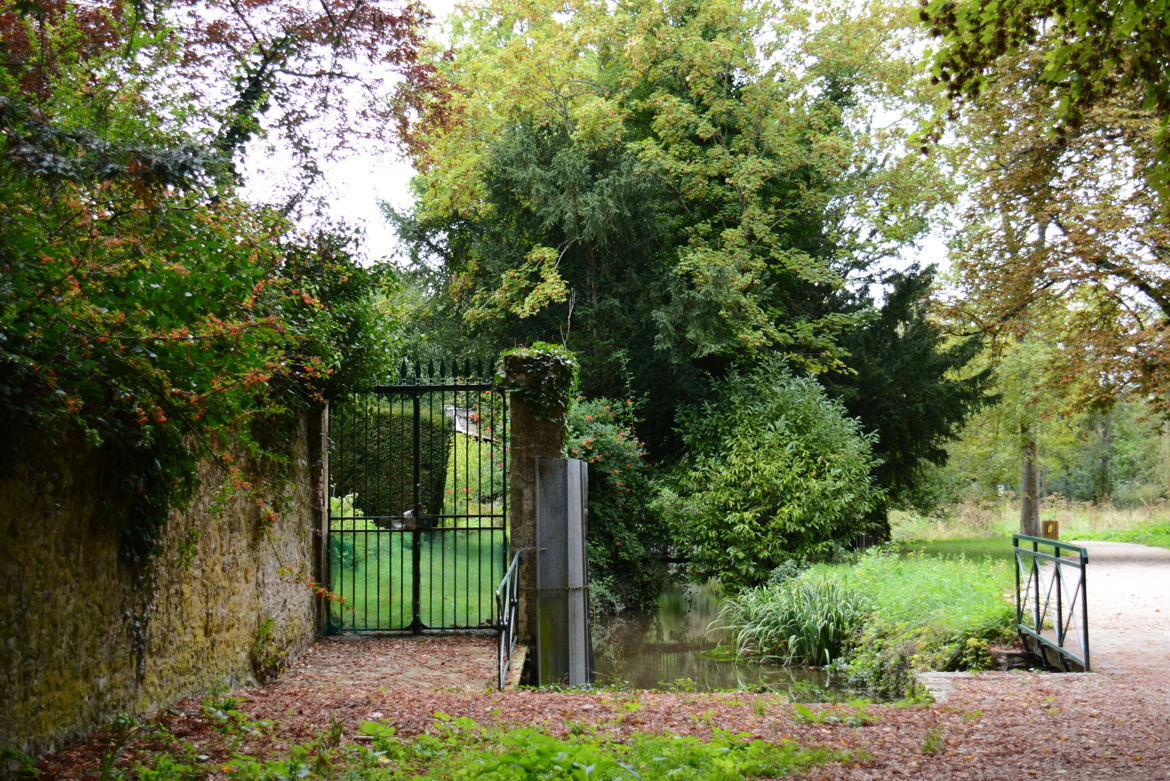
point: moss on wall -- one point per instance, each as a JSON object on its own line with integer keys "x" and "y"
{"x": 69, "y": 659}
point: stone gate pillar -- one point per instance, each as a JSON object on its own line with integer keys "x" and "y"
{"x": 541, "y": 380}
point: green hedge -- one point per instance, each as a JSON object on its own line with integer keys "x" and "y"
{"x": 372, "y": 455}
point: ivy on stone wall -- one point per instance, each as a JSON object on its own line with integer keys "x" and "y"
{"x": 147, "y": 312}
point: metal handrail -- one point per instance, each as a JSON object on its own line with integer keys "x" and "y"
{"x": 1052, "y": 600}
{"x": 507, "y": 611}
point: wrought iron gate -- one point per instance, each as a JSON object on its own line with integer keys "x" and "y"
{"x": 418, "y": 497}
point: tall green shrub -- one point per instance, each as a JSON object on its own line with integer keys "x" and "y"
{"x": 795, "y": 621}
{"x": 373, "y": 456}
{"x": 624, "y": 530}
{"x": 778, "y": 472}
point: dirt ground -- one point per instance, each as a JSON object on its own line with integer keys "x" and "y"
{"x": 1110, "y": 724}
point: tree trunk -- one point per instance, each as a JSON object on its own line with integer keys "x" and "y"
{"x": 1029, "y": 483}
{"x": 1105, "y": 465}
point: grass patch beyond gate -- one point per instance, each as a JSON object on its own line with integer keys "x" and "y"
{"x": 373, "y": 569}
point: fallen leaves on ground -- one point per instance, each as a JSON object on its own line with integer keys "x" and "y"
{"x": 993, "y": 726}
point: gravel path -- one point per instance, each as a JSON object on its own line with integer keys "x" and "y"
{"x": 1129, "y": 607}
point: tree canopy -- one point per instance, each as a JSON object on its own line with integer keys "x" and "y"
{"x": 1087, "y": 55}
{"x": 670, "y": 188}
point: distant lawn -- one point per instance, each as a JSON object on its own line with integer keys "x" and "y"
{"x": 371, "y": 568}
{"x": 1157, "y": 535}
{"x": 1000, "y": 547}
{"x": 997, "y": 547}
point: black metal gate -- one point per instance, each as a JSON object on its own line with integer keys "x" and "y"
{"x": 418, "y": 498}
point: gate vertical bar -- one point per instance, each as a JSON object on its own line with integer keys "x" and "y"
{"x": 1019, "y": 599}
{"x": 1084, "y": 556}
{"x": 416, "y": 624}
{"x": 1035, "y": 577}
{"x": 1060, "y": 623}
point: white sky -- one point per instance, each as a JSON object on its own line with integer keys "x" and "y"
{"x": 358, "y": 183}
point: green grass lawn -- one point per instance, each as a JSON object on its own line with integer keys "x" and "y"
{"x": 1001, "y": 517}
{"x": 1000, "y": 546}
{"x": 372, "y": 573}
{"x": 997, "y": 547}
{"x": 1157, "y": 535}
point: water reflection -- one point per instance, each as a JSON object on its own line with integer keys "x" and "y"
{"x": 664, "y": 649}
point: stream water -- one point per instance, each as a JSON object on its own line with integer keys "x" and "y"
{"x": 665, "y": 649}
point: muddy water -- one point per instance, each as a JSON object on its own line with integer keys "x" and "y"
{"x": 665, "y": 649}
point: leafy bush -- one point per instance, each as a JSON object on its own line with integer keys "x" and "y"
{"x": 460, "y": 748}
{"x": 625, "y": 535}
{"x": 373, "y": 455}
{"x": 926, "y": 613}
{"x": 795, "y": 621}
{"x": 778, "y": 472}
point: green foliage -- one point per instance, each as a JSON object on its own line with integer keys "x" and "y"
{"x": 852, "y": 715}
{"x": 692, "y": 202}
{"x": 351, "y": 330}
{"x": 903, "y": 384}
{"x": 1112, "y": 453}
{"x": 269, "y": 652}
{"x": 1157, "y": 534}
{"x": 1090, "y": 52}
{"x": 371, "y": 570}
{"x": 626, "y": 535}
{"x": 545, "y": 376}
{"x": 778, "y": 472}
{"x": 794, "y": 621}
{"x": 926, "y": 613}
{"x": 232, "y": 724}
{"x": 373, "y": 455}
{"x": 459, "y": 748}
{"x": 977, "y": 548}
{"x": 146, "y": 311}
{"x": 464, "y": 750}
{"x": 881, "y": 618}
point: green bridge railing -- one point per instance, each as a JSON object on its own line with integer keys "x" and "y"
{"x": 1052, "y": 611}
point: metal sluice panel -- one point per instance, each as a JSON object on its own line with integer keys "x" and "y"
{"x": 418, "y": 504}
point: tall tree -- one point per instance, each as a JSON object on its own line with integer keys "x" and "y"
{"x": 311, "y": 79}
{"x": 906, "y": 384}
{"x": 146, "y": 310}
{"x": 672, "y": 188}
{"x": 1065, "y": 241}
{"x": 1087, "y": 55}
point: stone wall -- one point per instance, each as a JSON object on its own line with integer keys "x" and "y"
{"x": 73, "y": 650}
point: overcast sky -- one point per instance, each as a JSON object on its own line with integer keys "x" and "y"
{"x": 361, "y": 181}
